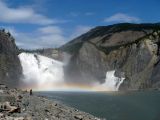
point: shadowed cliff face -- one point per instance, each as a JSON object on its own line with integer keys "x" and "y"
{"x": 10, "y": 67}
{"x": 130, "y": 49}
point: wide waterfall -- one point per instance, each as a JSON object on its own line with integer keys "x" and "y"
{"x": 40, "y": 71}
{"x": 43, "y": 73}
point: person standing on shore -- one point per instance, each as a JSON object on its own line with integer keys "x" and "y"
{"x": 30, "y": 92}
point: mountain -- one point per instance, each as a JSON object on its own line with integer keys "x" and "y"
{"x": 132, "y": 50}
{"x": 10, "y": 67}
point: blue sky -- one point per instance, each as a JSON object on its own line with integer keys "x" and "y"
{"x": 51, "y": 23}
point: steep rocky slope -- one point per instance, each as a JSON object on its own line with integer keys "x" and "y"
{"x": 130, "y": 49}
{"x": 10, "y": 67}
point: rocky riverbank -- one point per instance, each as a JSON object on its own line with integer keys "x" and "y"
{"x": 16, "y": 104}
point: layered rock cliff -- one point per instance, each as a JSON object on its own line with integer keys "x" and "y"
{"x": 132, "y": 50}
{"x": 10, "y": 67}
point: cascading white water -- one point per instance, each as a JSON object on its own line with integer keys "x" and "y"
{"x": 41, "y": 71}
{"x": 112, "y": 82}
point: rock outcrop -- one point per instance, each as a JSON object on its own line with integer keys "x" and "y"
{"x": 132, "y": 50}
{"x": 10, "y": 67}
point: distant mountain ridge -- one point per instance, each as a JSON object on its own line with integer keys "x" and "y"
{"x": 53, "y": 53}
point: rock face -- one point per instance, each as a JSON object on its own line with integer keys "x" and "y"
{"x": 132, "y": 50}
{"x": 10, "y": 67}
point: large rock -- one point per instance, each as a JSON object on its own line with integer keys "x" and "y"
{"x": 10, "y": 67}
{"x": 130, "y": 49}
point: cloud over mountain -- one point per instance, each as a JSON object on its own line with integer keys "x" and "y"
{"x": 121, "y": 17}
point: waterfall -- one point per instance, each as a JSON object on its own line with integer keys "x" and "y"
{"x": 40, "y": 71}
{"x": 43, "y": 73}
{"x": 112, "y": 82}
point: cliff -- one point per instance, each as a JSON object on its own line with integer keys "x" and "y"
{"x": 132, "y": 50}
{"x": 10, "y": 67}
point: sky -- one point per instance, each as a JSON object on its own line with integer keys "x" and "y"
{"x": 51, "y": 23}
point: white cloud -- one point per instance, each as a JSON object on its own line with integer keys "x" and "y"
{"x": 23, "y": 15}
{"x": 44, "y": 37}
{"x": 80, "y": 30}
{"x": 121, "y": 17}
{"x": 50, "y": 30}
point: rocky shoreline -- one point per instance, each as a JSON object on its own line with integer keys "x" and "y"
{"x": 16, "y": 104}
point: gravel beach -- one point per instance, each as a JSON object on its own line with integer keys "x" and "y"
{"x": 16, "y": 104}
